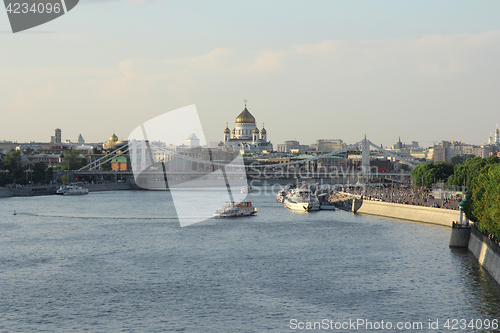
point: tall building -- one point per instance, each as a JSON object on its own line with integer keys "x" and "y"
{"x": 328, "y": 145}
{"x": 497, "y": 138}
{"x": 245, "y": 135}
{"x": 290, "y": 145}
{"x": 398, "y": 145}
{"x": 192, "y": 141}
{"x": 81, "y": 140}
{"x": 58, "y": 136}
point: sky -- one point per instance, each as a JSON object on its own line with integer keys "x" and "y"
{"x": 424, "y": 71}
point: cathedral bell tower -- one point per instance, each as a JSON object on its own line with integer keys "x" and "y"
{"x": 227, "y": 134}
{"x": 255, "y": 136}
{"x": 263, "y": 134}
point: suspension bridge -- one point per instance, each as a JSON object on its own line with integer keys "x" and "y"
{"x": 146, "y": 167}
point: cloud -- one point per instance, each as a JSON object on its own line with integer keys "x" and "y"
{"x": 374, "y": 83}
{"x": 133, "y": 2}
{"x": 218, "y": 60}
{"x": 423, "y": 55}
{"x": 430, "y": 54}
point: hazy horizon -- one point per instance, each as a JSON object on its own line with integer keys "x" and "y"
{"x": 424, "y": 71}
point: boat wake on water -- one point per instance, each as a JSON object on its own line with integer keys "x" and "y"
{"x": 107, "y": 217}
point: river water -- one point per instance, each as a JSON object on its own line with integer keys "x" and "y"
{"x": 120, "y": 262}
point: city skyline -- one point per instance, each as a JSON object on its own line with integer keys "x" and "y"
{"x": 309, "y": 71}
{"x": 405, "y": 143}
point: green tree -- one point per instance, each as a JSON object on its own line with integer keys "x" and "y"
{"x": 485, "y": 199}
{"x": 443, "y": 171}
{"x": 405, "y": 167}
{"x": 419, "y": 173}
{"x": 11, "y": 163}
{"x": 106, "y": 166}
{"x": 474, "y": 174}
{"x": 73, "y": 161}
{"x": 29, "y": 151}
{"x": 460, "y": 159}
{"x": 425, "y": 174}
{"x": 63, "y": 179}
{"x": 39, "y": 172}
{"x": 464, "y": 174}
{"x": 12, "y": 160}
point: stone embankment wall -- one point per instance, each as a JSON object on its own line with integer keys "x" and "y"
{"x": 28, "y": 191}
{"x": 408, "y": 212}
{"x": 486, "y": 252}
{"x": 5, "y": 192}
{"x": 111, "y": 187}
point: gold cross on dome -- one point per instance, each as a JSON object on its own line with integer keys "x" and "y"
{"x": 245, "y": 103}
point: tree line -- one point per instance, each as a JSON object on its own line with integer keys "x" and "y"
{"x": 481, "y": 178}
{"x": 15, "y": 168}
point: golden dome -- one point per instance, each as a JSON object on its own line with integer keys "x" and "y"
{"x": 227, "y": 130}
{"x": 113, "y": 138}
{"x": 234, "y": 131}
{"x": 245, "y": 117}
{"x": 263, "y": 130}
{"x": 256, "y": 130}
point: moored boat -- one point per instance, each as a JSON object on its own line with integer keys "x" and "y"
{"x": 246, "y": 189}
{"x": 302, "y": 200}
{"x": 72, "y": 190}
{"x": 244, "y": 208}
{"x": 280, "y": 197}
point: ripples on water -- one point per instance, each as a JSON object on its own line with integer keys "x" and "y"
{"x": 118, "y": 261}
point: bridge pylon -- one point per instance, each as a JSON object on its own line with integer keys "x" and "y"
{"x": 365, "y": 156}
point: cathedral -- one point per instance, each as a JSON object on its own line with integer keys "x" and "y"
{"x": 245, "y": 135}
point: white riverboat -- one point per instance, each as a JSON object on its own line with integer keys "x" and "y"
{"x": 72, "y": 190}
{"x": 302, "y": 200}
{"x": 280, "y": 197}
{"x": 246, "y": 189}
{"x": 244, "y": 208}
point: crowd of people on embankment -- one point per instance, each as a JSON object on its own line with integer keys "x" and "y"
{"x": 341, "y": 200}
{"x": 492, "y": 237}
{"x": 407, "y": 196}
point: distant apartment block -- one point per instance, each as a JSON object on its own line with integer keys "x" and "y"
{"x": 57, "y": 136}
{"x": 290, "y": 145}
{"x": 446, "y": 150}
{"x": 400, "y": 145}
{"x": 49, "y": 160}
{"x": 328, "y": 145}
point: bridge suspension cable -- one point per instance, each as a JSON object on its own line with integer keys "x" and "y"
{"x": 97, "y": 163}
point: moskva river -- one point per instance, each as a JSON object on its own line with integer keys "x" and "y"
{"x": 120, "y": 262}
